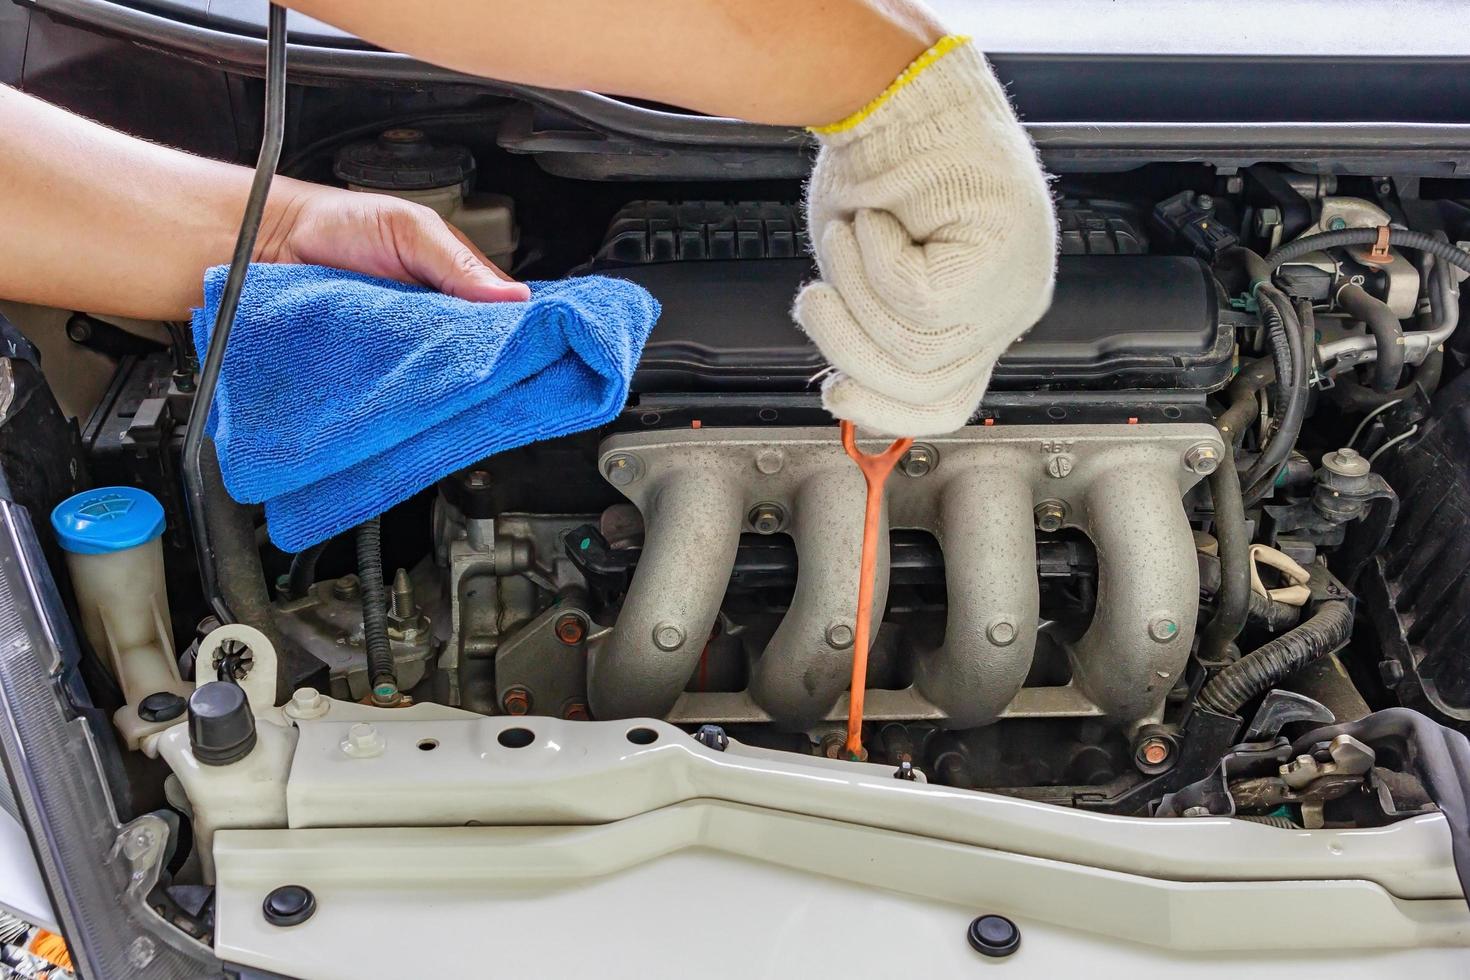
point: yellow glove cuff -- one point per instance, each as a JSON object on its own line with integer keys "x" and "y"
{"x": 941, "y": 48}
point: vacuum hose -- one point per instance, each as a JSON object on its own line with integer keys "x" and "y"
{"x": 1256, "y": 672}
{"x": 1387, "y": 334}
{"x": 1232, "y": 600}
{"x": 1289, "y": 354}
{"x": 1439, "y": 248}
{"x": 382, "y": 672}
{"x": 303, "y": 569}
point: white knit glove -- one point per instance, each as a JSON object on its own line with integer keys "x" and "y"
{"x": 932, "y": 224}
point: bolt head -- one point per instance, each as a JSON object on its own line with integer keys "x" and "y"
{"x": 570, "y": 629}
{"x": 833, "y": 744}
{"x": 1163, "y": 629}
{"x": 839, "y": 636}
{"x": 1001, "y": 632}
{"x": 767, "y": 518}
{"x": 1155, "y": 752}
{"x": 920, "y": 460}
{"x": 576, "y": 710}
{"x": 1059, "y": 465}
{"x": 307, "y": 702}
{"x": 1203, "y": 459}
{"x": 1346, "y": 462}
{"x": 347, "y": 588}
{"x": 667, "y": 636}
{"x": 516, "y": 701}
{"x": 622, "y": 469}
{"x": 137, "y": 844}
{"x": 477, "y": 479}
{"x": 363, "y": 742}
{"x": 1197, "y": 811}
{"x": 770, "y": 461}
{"x": 1050, "y": 515}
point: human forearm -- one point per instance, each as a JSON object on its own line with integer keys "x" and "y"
{"x": 92, "y": 219}
{"x": 96, "y": 220}
{"x": 771, "y": 61}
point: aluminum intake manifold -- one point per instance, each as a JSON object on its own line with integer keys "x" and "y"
{"x": 981, "y": 492}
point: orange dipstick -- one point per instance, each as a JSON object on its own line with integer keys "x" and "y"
{"x": 875, "y": 472}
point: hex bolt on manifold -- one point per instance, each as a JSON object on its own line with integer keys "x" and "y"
{"x": 1122, "y": 485}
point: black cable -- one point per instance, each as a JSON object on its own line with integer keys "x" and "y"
{"x": 1368, "y": 236}
{"x": 272, "y": 136}
{"x": 1262, "y": 612}
{"x": 382, "y": 671}
{"x": 1263, "y": 668}
{"x": 1232, "y": 598}
{"x": 1262, "y": 474}
{"x": 303, "y": 569}
{"x": 1283, "y": 355}
{"x": 1388, "y": 335}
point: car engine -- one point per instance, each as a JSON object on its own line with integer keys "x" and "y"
{"x": 1062, "y": 588}
{"x": 697, "y": 561}
{"x": 1165, "y": 657}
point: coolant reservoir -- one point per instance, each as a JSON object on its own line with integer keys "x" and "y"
{"x": 404, "y": 163}
{"x": 111, "y": 537}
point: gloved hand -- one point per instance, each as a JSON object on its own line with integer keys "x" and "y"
{"x": 933, "y": 229}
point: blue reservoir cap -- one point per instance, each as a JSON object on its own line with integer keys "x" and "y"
{"x": 108, "y": 519}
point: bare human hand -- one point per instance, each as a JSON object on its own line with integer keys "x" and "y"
{"x": 379, "y": 236}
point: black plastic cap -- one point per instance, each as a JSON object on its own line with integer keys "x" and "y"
{"x": 221, "y": 727}
{"x": 403, "y": 160}
{"x": 288, "y": 905}
{"x": 994, "y": 935}
{"x": 161, "y": 706}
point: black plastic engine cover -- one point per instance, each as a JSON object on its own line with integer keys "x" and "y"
{"x": 1116, "y": 322}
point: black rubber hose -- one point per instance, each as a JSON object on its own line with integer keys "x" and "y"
{"x": 1283, "y": 353}
{"x": 1354, "y": 397}
{"x": 1262, "y": 611}
{"x": 1296, "y": 213}
{"x": 1232, "y": 598}
{"x": 1388, "y": 334}
{"x": 1259, "y": 670}
{"x": 382, "y": 672}
{"x": 1262, "y": 474}
{"x": 303, "y": 569}
{"x": 1236, "y": 419}
{"x": 1367, "y": 236}
{"x": 271, "y": 139}
{"x": 1439, "y": 248}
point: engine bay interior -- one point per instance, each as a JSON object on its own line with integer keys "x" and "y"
{"x": 1053, "y": 574}
{"x": 1213, "y": 501}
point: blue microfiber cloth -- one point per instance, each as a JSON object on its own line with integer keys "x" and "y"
{"x": 342, "y": 394}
